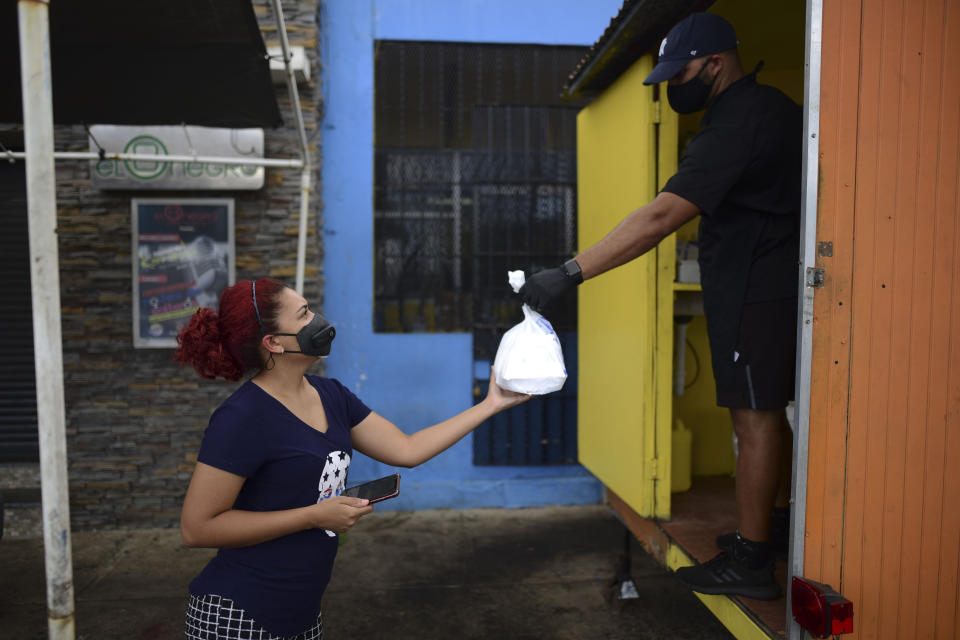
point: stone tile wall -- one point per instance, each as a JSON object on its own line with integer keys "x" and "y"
{"x": 134, "y": 419}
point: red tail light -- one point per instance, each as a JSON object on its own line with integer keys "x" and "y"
{"x": 819, "y": 609}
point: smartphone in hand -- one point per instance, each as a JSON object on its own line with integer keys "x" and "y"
{"x": 376, "y": 490}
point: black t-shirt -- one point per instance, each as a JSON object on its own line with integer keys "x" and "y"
{"x": 743, "y": 170}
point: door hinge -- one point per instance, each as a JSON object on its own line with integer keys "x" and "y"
{"x": 654, "y": 467}
{"x": 814, "y": 277}
{"x": 656, "y": 112}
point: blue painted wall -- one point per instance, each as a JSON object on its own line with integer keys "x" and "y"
{"x": 416, "y": 380}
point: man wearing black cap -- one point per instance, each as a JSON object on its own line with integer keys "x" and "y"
{"x": 741, "y": 174}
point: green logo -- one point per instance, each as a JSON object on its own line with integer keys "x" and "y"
{"x": 145, "y": 169}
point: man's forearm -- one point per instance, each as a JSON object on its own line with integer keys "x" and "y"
{"x": 636, "y": 234}
{"x": 639, "y": 232}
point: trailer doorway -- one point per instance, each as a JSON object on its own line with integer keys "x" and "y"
{"x": 774, "y": 34}
{"x": 649, "y": 426}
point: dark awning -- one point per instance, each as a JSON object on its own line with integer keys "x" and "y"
{"x": 637, "y": 28}
{"x": 200, "y": 62}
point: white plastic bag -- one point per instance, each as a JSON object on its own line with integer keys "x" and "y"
{"x": 529, "y": 358}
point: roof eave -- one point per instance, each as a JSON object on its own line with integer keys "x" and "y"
{"x": 639, "y": 31}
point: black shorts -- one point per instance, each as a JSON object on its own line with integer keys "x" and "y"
{"x": 764, "y": 361}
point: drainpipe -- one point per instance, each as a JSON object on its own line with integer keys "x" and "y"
{"x": 307, "y": 169}
{"x": 45, "y": 295}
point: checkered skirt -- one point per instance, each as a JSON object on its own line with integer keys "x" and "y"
{"x": 211, "y": 617}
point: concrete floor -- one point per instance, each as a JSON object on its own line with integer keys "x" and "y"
{"x": 516, "y": 574}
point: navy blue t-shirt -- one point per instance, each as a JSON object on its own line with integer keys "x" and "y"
{"x": 287, "y": 464}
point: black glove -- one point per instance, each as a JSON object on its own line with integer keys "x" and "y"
{"x": 543, "y": 288}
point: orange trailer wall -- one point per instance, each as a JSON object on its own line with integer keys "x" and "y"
{"x": 883, "y": 481}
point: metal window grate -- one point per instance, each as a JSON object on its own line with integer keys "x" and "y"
{"x": 475, "y": 175}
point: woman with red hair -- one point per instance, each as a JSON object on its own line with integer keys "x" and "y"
{"x": 274, "y": 459}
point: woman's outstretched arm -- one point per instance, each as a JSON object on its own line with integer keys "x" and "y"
{"x": 382, "y": 440}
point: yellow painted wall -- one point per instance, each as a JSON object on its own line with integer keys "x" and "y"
{"x": 772, "y": 32}
{"x": 711, "y": 425}
{"x": 626, "y": 344}
{"x": 673, "y": 453}
{"x": 616, "y": 163}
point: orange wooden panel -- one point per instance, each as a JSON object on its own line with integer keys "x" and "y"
{"x": 870, "y": 358}
{"x": 909, "y": 342}
{"x": 945, "y": 376}
{"x": 931, "y": 490}
{"x": 899, "y": 98}
{"x": 914, "y": 194}
{"x": 831, "y": 345}
{"x": 876, "y": 408}
{"x": 890, "y": 203}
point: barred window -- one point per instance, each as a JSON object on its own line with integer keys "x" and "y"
{"x": 475, "y": 175}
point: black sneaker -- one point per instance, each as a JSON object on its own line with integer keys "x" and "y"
{"x": 779, "y": 544}
{"x": 725, "y": 575}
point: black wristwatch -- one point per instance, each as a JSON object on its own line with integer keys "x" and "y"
{"x": 572, "y": 268}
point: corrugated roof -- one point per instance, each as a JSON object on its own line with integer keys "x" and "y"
{"x": 637, "y": 28}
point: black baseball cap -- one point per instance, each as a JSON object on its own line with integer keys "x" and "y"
{"x": 699, "y": 34}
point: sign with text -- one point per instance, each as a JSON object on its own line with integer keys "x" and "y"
{"x": 182, "y": 259}
{"x": 163, "y": 141}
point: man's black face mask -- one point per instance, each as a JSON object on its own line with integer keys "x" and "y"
{"x": 692, "y": 95}
{"x": 314, "y": 338}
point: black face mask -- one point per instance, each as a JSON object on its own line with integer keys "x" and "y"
{"x": 314, "y": 338}
{"x": 692, "y": 95}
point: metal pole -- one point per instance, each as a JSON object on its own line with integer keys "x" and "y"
{"x": 808, "y": 241}
{"x": 304, "y": 152}
{"x": 45, "y": 288}
{"x": 146, "y": 157}
{"x": 305, "y": 183}
{"x": 291, "y": 81}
